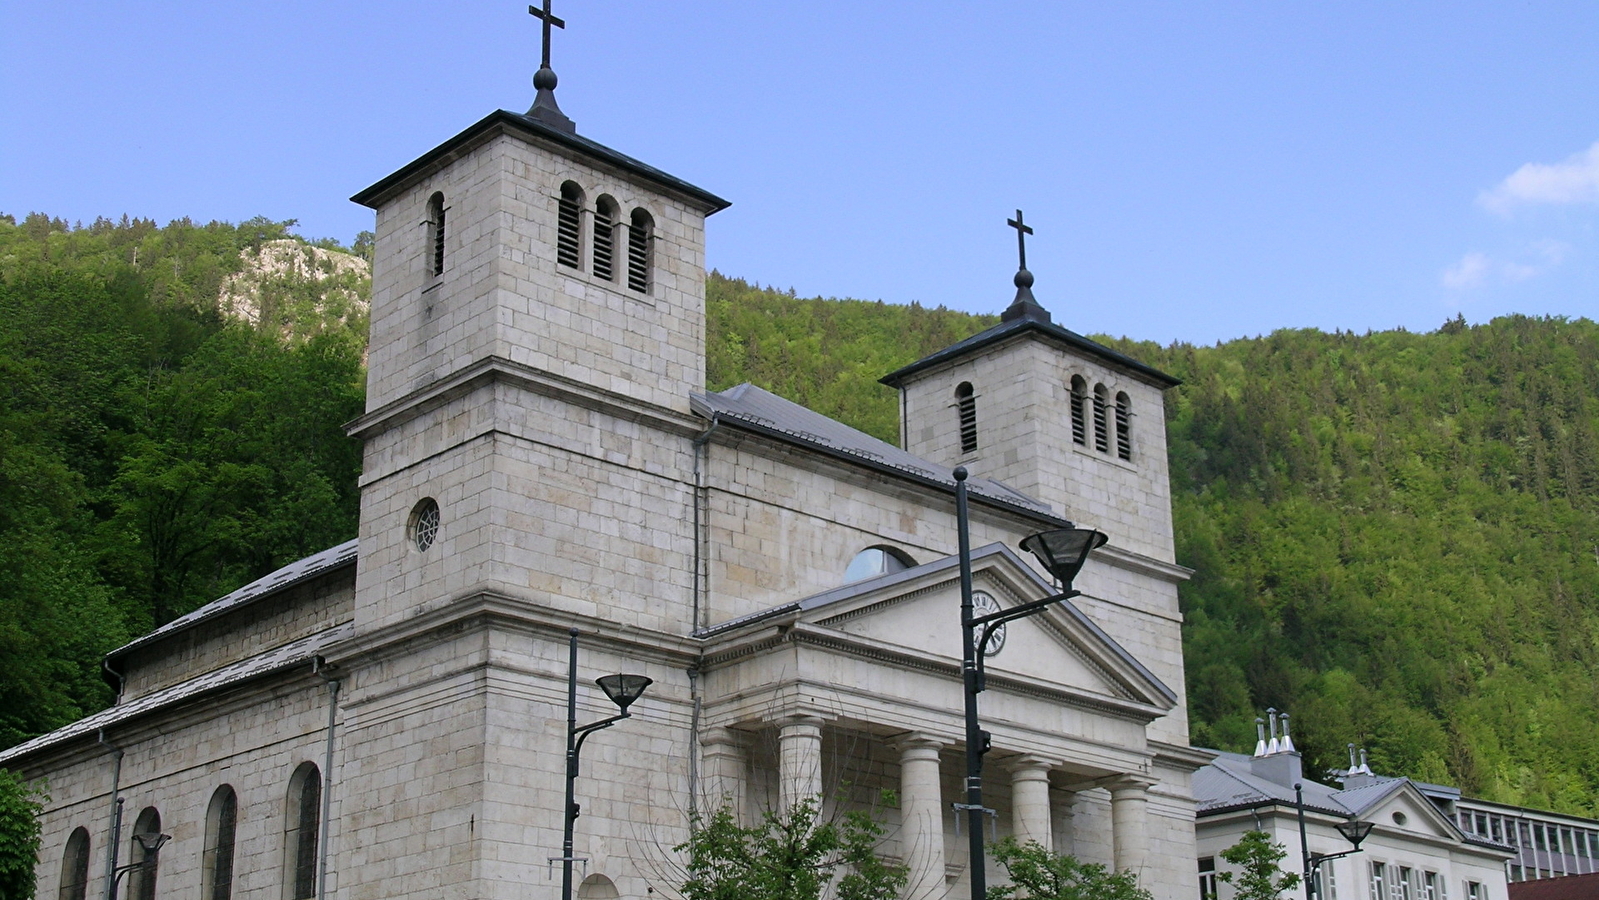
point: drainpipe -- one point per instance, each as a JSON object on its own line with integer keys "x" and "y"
{"x": 700, "y": 448}
{"x": 110, "y": 673}
{"x": 694, "y": 744}
{"x": 317, "y": 666}
{"x": 116, "y": 811}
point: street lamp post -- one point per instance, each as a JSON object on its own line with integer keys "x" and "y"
{"x": 623, "y": 690}
{"x": 1353, "y": 830}
{"x": 151, "y": 843}
{"x": 1063, "y": 553}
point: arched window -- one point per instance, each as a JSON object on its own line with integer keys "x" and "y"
{"x": 1101, "y": 433}
{"x": 875, "y": 561}
{"x": 597, "y": 887}
{"x": 141, "y": 881}
{"x": 640, "y": 249}
{"x": 301, "y": 820}
{"x": 1079, "y": 407}
{"x": 216, "y": 863}
{"x": 569, "y": 226}
{"x": 1124, "y": 426}
{"x": 605, "y": 215}
{"x": 966, "y": 405}
{"x": 75, "y": 867}
{"x": 436, "y": 232}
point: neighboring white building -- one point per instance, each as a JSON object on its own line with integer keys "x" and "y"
{"x": 1414, "y": 851}
{"x": 386, "y": 719}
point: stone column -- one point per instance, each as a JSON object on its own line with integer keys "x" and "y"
{"x": 1063, "y": 813}
{"x": 1129, "y": 800}
{"x": 722, "y": 778}
{"x": 799, "y": 760}
{"x": 921, "y": 816}
{"x": 1029, "y": 800}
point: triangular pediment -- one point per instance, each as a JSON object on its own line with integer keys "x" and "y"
{"x": 916, "y": 612}
{"x": 1403, "y": 808}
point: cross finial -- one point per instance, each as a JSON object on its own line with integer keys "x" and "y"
{"x": 548, "y": 18}
{"x": 1022, "y": 231}
{"x": 544, "y": 107}
{"x": 1024, "y": 306}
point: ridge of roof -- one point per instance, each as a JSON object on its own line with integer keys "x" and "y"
{"x": 1020, "y": 326}
{"x": 512, "y": 121}
{"x": 758, "y": 409}
{"x": 284, "y": 578}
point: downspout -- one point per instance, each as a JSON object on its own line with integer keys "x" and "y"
{"x": 701, "y": 448}
{"x": 122, "y": 682}
{"x": 694, "y": 746}
{"x": 116, "y": 811}
{"x": 317, "y": 666}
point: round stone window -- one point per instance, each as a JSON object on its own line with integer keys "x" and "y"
{"x": 425, "y": 523}
{"x": 1399, "y": 818}
{"x": 982, "y": 605}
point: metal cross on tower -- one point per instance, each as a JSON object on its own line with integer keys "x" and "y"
{"x": 1022, "y": 231}
{"x": 548, "y": 18}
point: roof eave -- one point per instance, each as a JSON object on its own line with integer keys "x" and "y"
{"x": 503, "y": 121}
{"x": 1018, "y": 327}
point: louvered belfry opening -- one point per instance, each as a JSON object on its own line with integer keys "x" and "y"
{"x": 966, "y": 404}
{"x": 640, "y": 238}
{"x": 569, "y": 226}
{"x": 436, "y": 226}
{"x": 1124, "y": 427}
{"x": 605, "y": 238}
{"x": 1079, "y": 403}
{"x": 1101, "y": 433}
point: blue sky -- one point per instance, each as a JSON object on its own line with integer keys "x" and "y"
{"x": 1194, "y": 171}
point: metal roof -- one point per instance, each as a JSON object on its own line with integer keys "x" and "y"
{"x": 757, "y": 409}
{"x": 294, "y": 573}
{"x": 291, "y": 654}
{"x": 519, "y": 123}
{"x": 1048, "y": 330}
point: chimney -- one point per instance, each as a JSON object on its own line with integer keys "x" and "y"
{"x": 1260, "y": 741}
{"x": 1287, "y": 745}
{"x": 1280, "y": 763}
{"x": 1271, "y": 719}
{"x": 1360, "y": 775}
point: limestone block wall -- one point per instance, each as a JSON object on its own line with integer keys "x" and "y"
{"x": 563, "y": 506}
{"x": 503, "y": 294}
{"x": 1140, "y": 611}
{"x": 1022, "y": 390}
{"x": 269, "y": 622}
{"x": 252, "y": 739}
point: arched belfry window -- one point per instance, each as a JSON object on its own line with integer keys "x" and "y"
{"x": 1079, "y": 410}
{"x": 302, "y": 818}
{"x": 605, "y": 215}
{"x": 569, "y": 226}
{"x": 436, "y": 233}
{"x": 1124, "y": 426}
{"x": 75, "y": 867}
{"x": 640, "y": 250}
{"x": 1101, "y": 431}
{"x": 966, "y": 409}
{"x": 875, "y": 561}
{"x": 216, "y": 862}
{"x": 141, "y": 881}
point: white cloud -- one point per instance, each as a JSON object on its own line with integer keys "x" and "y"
{"x": 1475, "y": 270}
{"x": 1574, "y": 180}
{"x": 1470, "y": 272}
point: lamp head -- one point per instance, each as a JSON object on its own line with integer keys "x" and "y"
{"x": 624, "y": 689}
{"x": 1064, "y": 550}
{"x": 151, "y": 842}
{"x": 1355, "y": 831}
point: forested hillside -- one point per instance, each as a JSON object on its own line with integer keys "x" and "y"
{"x": 1396, "y": 535}
{"x": 153, "y": 454}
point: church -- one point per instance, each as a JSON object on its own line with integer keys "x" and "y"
{"x": 388, "y": 719}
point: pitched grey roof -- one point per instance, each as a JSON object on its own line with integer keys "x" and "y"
{"x": 759, "y": 410}
{"x": 291, "y": 654}
{"x": 294, "y": 573}
{"x": 508, "y": 121}
{"x": 1048, "y": 330}
{"x": 1229, "y": 782}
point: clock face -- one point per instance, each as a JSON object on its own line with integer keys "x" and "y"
{"x": 982, "y": 605}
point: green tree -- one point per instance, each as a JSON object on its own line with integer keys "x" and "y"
{"x": 1259, "y": 876}
{"x": 1038, "y": 873}
{"x": 788, "y": 856}
{"x": 20, "y": 806}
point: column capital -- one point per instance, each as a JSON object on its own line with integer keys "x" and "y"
{"x": 722, "y": 736}
{"x": 1027, "y": 766}
{"x": 1129, "y": 784}
{"x": 910, "y": 741}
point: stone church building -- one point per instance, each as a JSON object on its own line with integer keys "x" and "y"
{"x": 387, "y": 719}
